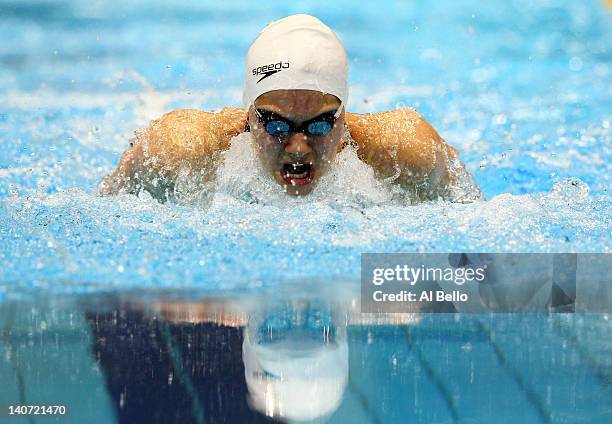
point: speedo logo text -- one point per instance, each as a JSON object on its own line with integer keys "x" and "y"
{"x": 270, "y": 69}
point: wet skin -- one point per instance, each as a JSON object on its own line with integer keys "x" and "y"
{"x": 279, "y": 155}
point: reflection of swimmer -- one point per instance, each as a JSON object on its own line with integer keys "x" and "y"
{"x": 295, "y": 92}
{"x": 192, "y": 362}
{"x": 295, "y": 362}
{"x": 295, "y": 353}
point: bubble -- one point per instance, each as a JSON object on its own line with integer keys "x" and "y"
{"x": 575, "y": 64}
{"x": 500, "y": 119}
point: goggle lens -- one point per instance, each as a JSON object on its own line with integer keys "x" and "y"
{"x": 277, "y": 128}
{"x": 319, "y": 128}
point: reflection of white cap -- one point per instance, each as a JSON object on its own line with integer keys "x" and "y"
{"x": 287, "y": 381}
{"x": 296, "y": 52}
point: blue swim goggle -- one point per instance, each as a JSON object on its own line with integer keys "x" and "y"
{"x": 277, "y": 126}
{"x": 315, "y": 321}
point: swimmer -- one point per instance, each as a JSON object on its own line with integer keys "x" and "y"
{"x": 295, "y": 95}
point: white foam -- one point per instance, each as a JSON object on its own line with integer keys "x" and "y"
{"x": 350, "y": 181}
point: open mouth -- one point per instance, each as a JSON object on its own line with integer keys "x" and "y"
{"x": 297, "y": 174}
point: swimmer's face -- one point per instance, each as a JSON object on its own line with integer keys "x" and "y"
{"x": 296, "y": 159}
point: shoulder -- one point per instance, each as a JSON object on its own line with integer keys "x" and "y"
{"x": 404, "y": 120}
{"x": 191, "y": 133}
{"x": 227, "y": 120}
{"x": 184, "y": 116}
{"x": 398, "y": 126}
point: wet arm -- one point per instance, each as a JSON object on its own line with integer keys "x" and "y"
{"x": 184, "y": 138}
{"x": 400, "y": 144}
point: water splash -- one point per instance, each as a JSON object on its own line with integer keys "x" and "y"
{"x": 349, "y": 182}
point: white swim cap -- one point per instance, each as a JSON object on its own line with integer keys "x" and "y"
{"x": 287, "y": 381}
{"x": 296, "y": 52}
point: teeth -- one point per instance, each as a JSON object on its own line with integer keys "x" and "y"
{"x": 304, "y": 175}
{"x": 292, "y": 170}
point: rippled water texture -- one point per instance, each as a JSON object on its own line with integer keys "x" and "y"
{"x": 521, "y": 88}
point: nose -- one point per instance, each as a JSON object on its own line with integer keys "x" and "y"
{"x": 298, "y": 145}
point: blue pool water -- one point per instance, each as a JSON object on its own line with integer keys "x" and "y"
{"x": 138, "y": 360}
{"x": 522, "y": 88}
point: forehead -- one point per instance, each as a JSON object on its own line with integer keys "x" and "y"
{"x": 299, "y": 104}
